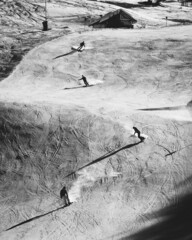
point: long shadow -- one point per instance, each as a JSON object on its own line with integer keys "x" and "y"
{"x": 77, "y": 87}
{"x": 147, "y": 3}
{"x": 170, "y": 1}
{"x": 174, "y": 222}
{"x": 181, "y": 20}
{"x": 163, "y": 108}
{"x": 122, "y": 4}
{"x": 104, "y": 157}
{"x": 150, "y": 4}
{"x": 31, "y": 32}
{"x": 131, "y": 5}
{"x": 66, "y": 54}
{"x": 34, "y": 218}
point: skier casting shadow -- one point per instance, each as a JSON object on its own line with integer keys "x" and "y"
{"x": 82, "y": 44}
{"x": 84, "y": 80}
{"x": 136, "y": 131}
{"x": 64, "y": 196}
{"x": 79, "y": 49}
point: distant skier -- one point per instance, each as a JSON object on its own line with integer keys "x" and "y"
{"x": 64, "y": 195}
{"x": 84, "y": 80}
{"x": 82, "y": 44}
{"x": 136, "y": 131}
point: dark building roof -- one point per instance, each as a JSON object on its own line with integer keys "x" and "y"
{"x": 118, "y": 18}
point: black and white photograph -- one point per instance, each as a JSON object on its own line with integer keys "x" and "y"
{"x": 95, "y": 119}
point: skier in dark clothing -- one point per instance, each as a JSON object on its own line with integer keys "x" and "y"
{"x": 64, "y": 195}
{"x": 84, "y": 80}
{"x": 136, "y": 131}
{"x": 82, "y": 44}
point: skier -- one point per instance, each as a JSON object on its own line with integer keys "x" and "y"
{"x": 82, "y": 44}
{"x": 84, "y": 80}
{"x": 136, "y": 131}
{"x": 64, "y": 195}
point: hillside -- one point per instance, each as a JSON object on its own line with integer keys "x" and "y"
{"x": 56, "y": 132}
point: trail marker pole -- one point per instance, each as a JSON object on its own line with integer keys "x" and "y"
{"x": 45, "y": 23}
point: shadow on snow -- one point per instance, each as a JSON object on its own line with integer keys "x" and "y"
{"x": 104, "y": 157}
{"x": 66, "y": 54}
{"x": 163, "y": 108}
{"x": 174, "y": 221}
{"x": 78, "y": 87}
{"x": 34, "y": 218}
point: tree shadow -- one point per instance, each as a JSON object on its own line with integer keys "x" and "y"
{"x": 146, "y": 4}
{"x": 33, "y": 32}
{"x": 131, "y": 5}
{"x": 150, "y": 4}
{"x": 163, "y": 108}
{"x": 66, "y": 54}
{"x": 174, "y": 221}
{"x": 77, "y": 87}
{"x": 122, "y": 4}
{"x": 34, "y": 218}
{"x": 104, "y": 157}
{"x": 183, "y": 21}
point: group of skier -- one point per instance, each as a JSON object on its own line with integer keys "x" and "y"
{"x": 79, "y": 49}
{"x": 63, "y": 192}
